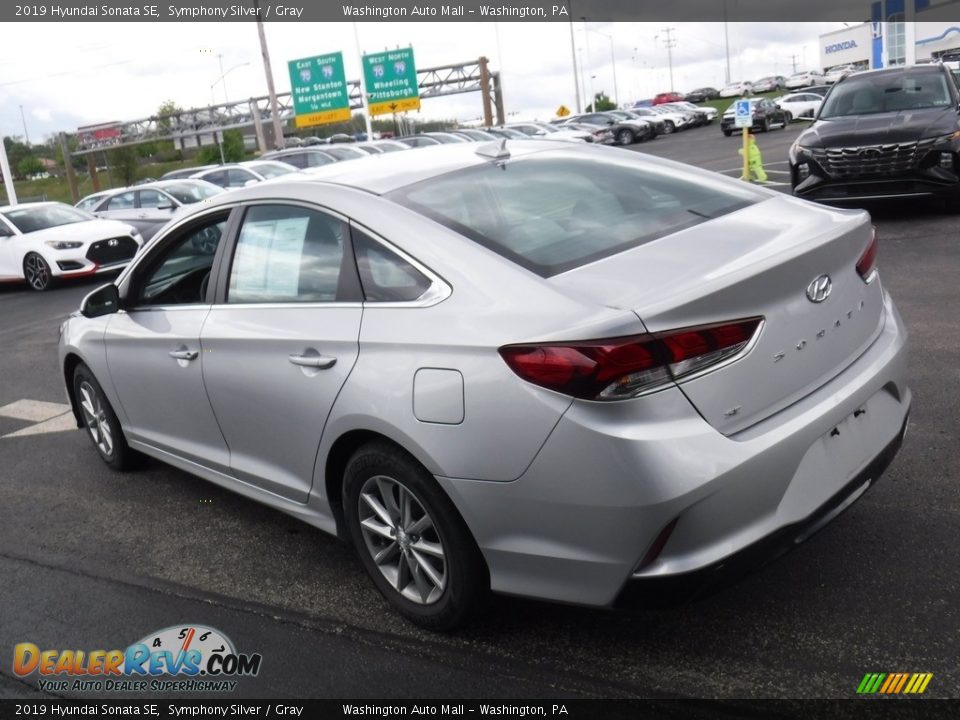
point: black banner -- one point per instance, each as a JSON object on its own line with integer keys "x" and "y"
{"x": 883, "y": 709}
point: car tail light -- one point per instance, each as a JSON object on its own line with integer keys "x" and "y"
{"x": 867, "y": 264}
{"x": 624, "y": 367}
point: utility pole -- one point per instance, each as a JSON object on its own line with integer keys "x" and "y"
{"x": 670, "y": 44}
{"x": 271, "y": 91}
{"x": 7, "y": 177}
{"x": 726, "y": 41}
{"x": 793, "y": 59}
{"x": 364, "y": 98}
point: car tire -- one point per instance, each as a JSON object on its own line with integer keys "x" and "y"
{"x": 787, "y": 119}
{"x": 101, "y": 423}
{"x": 434, "y": 575}
{"x": 36, "y": 272}
{"x": 728, "y": 133}
{"x": 764, "y": 125}
{"x": 625, "y": 137}
{"x": 668, "y": 127}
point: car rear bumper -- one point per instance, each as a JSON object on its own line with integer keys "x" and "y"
{"x": 580, "y": 523}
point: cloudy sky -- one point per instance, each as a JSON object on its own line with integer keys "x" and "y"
{"x": 71, "y": 74}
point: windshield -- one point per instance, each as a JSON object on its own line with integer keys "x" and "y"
{"x": 188, "y": 193}
{"x": 41, "y": 217}
{"x": 873, "y": 94}
{"x": 554, "y": 214}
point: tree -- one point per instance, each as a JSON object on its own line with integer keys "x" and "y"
{"x": 168, "y": 109}
{"x": 125, "y": 163}
{"x": 29, "y": 166}
{"x": 601, "y": 102}
{"x": 233, "y": 147}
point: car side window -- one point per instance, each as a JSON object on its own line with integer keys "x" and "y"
{"x": 217, "y": 178}
{"x": 180, "y": 272}
{"x": 153, "y": 199}
{"x": 123, "y": 201}
{"x": 287, "y": 254}
{"x": 384, "y": 275}
{"x": 296, "y": 159}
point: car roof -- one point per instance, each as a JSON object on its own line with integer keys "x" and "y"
{"x": 20, "y": 205}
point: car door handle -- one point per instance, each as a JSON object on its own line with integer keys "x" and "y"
{"x": 313, "y": 361}
{"x": 184, "y": 354}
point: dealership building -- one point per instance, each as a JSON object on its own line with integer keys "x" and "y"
{"x": 900, "y": 32}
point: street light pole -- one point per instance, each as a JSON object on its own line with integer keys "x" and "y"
{"x": 221, "y": 79}
{"x": 586, "y": 41}
{"x": 613, "y": 62}
{"x": 576, "y": 82}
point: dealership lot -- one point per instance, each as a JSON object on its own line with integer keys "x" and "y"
{"x": 89, "y": 549}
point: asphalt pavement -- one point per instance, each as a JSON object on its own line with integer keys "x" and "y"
{"x": 90, "y": 558}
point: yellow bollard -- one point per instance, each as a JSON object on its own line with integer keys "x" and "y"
{"x": 752, "y": 159}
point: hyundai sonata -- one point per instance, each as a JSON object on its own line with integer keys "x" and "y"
{"x": 547, "y": 369}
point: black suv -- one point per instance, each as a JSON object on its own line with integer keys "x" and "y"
{"x": 882, "y": 133}
{"x": 766, "y": 116}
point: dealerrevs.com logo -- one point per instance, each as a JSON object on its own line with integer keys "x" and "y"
{"x": 184, "y": 658}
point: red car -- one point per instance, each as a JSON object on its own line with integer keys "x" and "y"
{"x": 667, "y": 97}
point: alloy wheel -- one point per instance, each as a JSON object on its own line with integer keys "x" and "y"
{"x": 95, "y": 418}
{"x": 37, "y": 271}
{"x": 402, "y": 539}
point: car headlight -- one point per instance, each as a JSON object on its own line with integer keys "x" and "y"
{"x": 64, "y": 244}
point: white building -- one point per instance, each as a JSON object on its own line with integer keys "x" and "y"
{"x": 900, "y": 32}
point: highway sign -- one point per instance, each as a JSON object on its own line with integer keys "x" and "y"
{"x": 563, "y": 111}
{"x": 318, "y": 87}
{"x": 391, "y": 82}
{"x": 743, "y": 117}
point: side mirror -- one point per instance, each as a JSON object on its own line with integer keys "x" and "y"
{"x": 102, "y": 301}
{"x": 250, "y": 182}
{"x": 168, "y": 206}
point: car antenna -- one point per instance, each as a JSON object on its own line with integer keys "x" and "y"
{"x": 494, "y": 150}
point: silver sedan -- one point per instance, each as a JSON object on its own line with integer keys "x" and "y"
{"x": 547, "y": 369}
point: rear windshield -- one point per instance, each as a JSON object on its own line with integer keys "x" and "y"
{"x": 551, "y": 215}
{"x": 868, "y": 95}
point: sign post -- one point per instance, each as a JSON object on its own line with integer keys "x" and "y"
{"x": 318, "y": 88}
{"x": 391, "y": 82}
{"x": 743, "y": 118}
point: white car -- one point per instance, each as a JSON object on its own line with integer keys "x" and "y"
{"x": 807, "y": 78}
{"x": 835, "y": 75}
{"x": 43, "y": 241}
{"x": 736, "y": 89}
{"x": 800, "y": 105}
{"x": 543, "y": 131}
{"x": 248, "y": 173}
{"x": 804, "y": 79}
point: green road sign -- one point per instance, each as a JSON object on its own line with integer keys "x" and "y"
{"x": 391, "y": 80}
{"x": 318, "y": 87}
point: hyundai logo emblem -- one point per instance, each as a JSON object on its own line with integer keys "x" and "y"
{"x": 819, "y": 289}
{"x": 113, "y": 242}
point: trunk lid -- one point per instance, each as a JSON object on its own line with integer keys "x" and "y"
{"x": 758, "y": 261}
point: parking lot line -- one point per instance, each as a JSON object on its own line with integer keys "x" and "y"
{"x": 33, "y": 410}
{"x": 60, "y": 423}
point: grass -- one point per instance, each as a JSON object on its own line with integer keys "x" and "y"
{"x": 721, "y": 104}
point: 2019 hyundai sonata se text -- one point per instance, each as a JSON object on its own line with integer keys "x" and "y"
{"x": 547, "y": 369}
